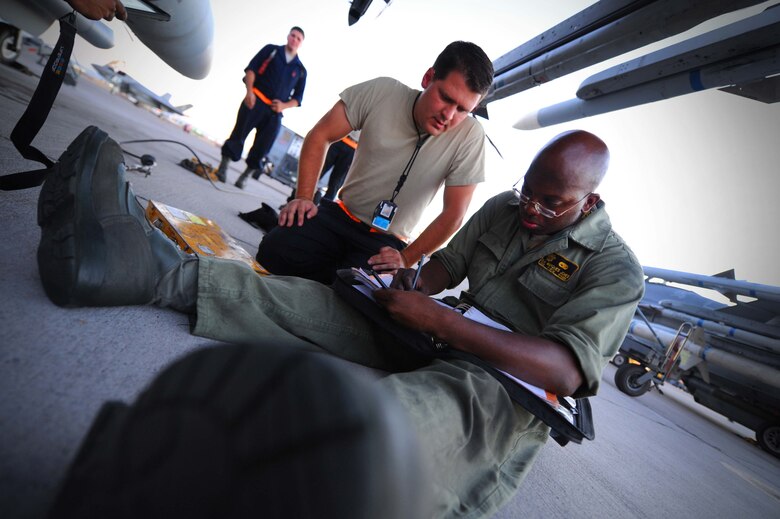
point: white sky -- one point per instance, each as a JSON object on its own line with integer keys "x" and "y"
{"x": 693, "y": 184}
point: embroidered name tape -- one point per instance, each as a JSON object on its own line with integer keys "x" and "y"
{"x": 560, "y": 267}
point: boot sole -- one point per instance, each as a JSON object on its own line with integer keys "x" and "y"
{"x": 238, "y": 431}
{"x": 71, "y": 236}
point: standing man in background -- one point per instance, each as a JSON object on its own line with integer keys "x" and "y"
{"x": 275, "y": 80}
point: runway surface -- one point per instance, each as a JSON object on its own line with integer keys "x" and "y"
{"x": 654, "y": 456}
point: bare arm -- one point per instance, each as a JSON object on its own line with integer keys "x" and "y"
{"x": 333, "y": 126}
{"x": 538, "y": 361}
{"x": 456, "y": 202}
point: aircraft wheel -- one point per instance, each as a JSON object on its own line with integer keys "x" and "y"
{"x": 625, "y": 380}
{"x": 768, "y": 436}
{"x": 8, "y": 50}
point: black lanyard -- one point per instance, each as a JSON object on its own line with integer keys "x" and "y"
{"x": 38, "y": 109}
{"x": 420, "y": 141}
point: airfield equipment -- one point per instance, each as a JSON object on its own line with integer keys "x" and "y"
{"x": 726, "y": 356}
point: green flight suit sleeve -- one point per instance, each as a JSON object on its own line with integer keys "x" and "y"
{"x": 594, "y": 321}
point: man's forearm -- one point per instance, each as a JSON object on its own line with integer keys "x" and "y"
{"x": 535, "y": 360}
{"x": 309, "y": 165}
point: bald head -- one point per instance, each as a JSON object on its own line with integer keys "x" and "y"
{"x": 561, "y": 181}
{"x": 577, "y": 158}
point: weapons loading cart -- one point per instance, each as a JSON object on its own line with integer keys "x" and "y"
{"x": 726, "y": 355}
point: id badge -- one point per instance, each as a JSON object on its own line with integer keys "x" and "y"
{"x": 383, "y": 215}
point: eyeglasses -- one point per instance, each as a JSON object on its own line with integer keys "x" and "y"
{"x": 542, "y": 210}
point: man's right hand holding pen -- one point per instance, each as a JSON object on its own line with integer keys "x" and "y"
{"x": 410, "y": 304}
{"x": 410, "y": 279}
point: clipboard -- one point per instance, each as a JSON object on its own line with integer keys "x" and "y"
{"x": 569, "y": 419}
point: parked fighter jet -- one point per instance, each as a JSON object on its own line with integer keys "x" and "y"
{"x": 184, "y": 41}
{"x": 742, "y": 58}
{"x": 135, "y": 91}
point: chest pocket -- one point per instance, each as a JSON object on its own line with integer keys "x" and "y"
{"x": 487, "y": 256}
{"x": 495, "y": 245}
{"x": 546, "y": 286}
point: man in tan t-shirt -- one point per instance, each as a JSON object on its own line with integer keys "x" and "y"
{"x": 411, "y": 144}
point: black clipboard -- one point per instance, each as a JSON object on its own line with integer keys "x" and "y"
{"x": 561, "y": 429}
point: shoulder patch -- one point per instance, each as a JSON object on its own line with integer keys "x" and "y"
{"x": 560, "y": 267}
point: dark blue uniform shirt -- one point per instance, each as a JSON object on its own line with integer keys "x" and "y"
{"x": 279, "y": 80}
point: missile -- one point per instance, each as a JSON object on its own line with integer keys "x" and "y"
{"x": 602, "y": 31}
{"x": 722, "y": 285}
{"x": 743, "y": 37}
{"x": 753, "y": 370}
{"x": 676, "y": 70}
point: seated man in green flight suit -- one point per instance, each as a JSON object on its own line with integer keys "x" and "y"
{"x": 542, "y": 259}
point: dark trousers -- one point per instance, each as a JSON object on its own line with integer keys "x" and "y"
{"x": 328, "y": 242}
{"x": 339, "y": 158}
{"x": 261, "y": 118}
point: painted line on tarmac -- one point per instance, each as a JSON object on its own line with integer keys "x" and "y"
{"x": 768, "y": 489}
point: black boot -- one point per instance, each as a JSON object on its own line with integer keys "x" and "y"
{"x": 249, "y": 431}
{"x": 241, "y": 182}
{"x": 97, "y": 247}
{"x": 222, "y": 169}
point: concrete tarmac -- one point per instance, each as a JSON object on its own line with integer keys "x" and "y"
{"x": 654, "y": 456}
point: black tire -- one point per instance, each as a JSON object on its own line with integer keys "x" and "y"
{"x": 8, "y": 50}
{"x": 248, "y": 432}
{"x": 625, "y": 380}
{"x": 619, "y": 359}
{"x": 768, "y": 437}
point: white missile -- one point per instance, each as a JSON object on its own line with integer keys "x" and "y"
{"x": 602, "y": 31}
{"x": 760, "y": 32}
{"x": 722, "y": 285}
{"x": 743, "y": 37}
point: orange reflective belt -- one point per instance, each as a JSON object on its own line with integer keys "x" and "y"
{"x": 358, "y": 220}
{"x": 350, "y": 142}
{"x": 261, "y": 96}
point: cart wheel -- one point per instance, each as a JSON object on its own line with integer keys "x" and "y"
{"x": 768, "y": 436}
{"x": 625, "y": 380}
{"x": 8, "y": 50}
{"x": 619, "y": 359}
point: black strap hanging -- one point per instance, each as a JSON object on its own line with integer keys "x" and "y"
{"x": 420, "y": 141}
{"x": 38, "y": 109}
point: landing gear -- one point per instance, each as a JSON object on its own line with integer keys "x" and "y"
{"x": 626, "y": 380}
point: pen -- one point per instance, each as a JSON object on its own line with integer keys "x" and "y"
{"x": 417, "y": 274}
{"x": 378, "y": 278}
